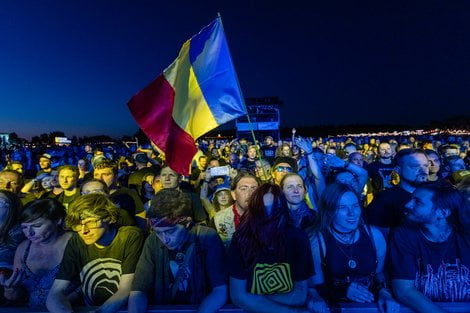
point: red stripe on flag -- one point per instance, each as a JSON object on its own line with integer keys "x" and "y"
{"x": 152, "y": 108}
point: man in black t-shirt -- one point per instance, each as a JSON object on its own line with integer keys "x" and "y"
{"x": 269, "y": 149}
{"x": 387, "y": 209}
{"x": 68, "y": 179}
{"x": 180, "y": 263}
{"x": 430, "y": 256}
{"x": 100, "y": 256}
{"x": 380, "y": 170}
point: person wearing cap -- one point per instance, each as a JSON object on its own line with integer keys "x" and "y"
{"x": 141, "y": 163}
{"x": 45, "y": 164}
{"x": 181, "y": 263}
{"x": 227, "y": 220}
{"x": 100, "y": 255}
{"x": 221, "y": 199}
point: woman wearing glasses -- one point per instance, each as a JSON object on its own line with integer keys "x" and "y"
{"x": 37, "y": 259}
{"x": 101, "y": 255}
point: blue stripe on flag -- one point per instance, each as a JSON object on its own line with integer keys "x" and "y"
{"x": 214, "y": 71}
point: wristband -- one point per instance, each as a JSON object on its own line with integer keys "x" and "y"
{"x": 346, "y": 164}
{"x": 309, "y": 153}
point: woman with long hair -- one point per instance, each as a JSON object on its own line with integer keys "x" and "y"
{"x": 267, "y": 246}
{"x": 348, "y": 254}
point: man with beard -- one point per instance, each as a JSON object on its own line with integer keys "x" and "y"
{"x": 387, "y": 209}
{"x": 430, "y": 256}
{"x": 381, "y": 169}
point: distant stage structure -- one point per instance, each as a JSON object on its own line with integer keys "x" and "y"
{"x": 265, "y": 117}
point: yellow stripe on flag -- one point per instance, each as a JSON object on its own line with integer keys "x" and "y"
{"x": 190, "y": 111}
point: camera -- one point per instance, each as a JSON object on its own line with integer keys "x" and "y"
{"x": 219, "y": 171}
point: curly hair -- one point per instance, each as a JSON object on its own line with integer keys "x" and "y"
{"x": 92, "y": 204}
{"x": 170, "y": 203}
{"x": 105, "y": 163}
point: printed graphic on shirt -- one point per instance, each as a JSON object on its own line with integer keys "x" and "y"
{"x": 271, "y": 279}
{"x": 100, "y": 280}
{"x": 386, "y": 175}
{"x": 450, "y": 283}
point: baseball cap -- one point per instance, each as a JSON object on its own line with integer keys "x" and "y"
{"x": 46, "y": 155}
{"x": 141, "y": 158}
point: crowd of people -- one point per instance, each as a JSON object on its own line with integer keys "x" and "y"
{"x": 290, "y": 226}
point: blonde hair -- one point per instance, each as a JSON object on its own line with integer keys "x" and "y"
{"x": 93, "y": 204}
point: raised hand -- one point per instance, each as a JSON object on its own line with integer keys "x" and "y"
{"x": 304, "y": 144}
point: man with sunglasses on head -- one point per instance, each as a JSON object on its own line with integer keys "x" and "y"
{"x": 181, "y": 263}
{"x": 282, "y": 166}
{"x": 101, "y": 256}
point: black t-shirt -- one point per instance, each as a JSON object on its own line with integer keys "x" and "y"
{"x": 157, "y": 268}
{"x": 269, "y": 153}
{"x": 199, "y": 214}
{"x": 100, "y": 270}
{"x": 440, "y": 271}
{"x": 67, "y": 200}
{"x": 128, "y": 200}
{"x": 274, "y": 273}
{"x": 380, "y": 176}
{"x": 248, "y": 165}
{"x": 388, "y": 208}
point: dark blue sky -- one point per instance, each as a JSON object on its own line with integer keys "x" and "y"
{"x": 73, "y": 65}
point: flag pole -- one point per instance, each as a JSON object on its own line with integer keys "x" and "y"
{"x": 258, "y": 153}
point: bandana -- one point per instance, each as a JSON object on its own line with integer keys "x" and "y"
{"x": 169, "y": 222}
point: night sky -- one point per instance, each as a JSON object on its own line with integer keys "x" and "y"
{"x": 72, "y": 66}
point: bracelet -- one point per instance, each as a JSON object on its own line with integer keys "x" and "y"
{"x": 309, "y": 153}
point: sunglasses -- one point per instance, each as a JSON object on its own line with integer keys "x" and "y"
{"x": 287, "y": 169}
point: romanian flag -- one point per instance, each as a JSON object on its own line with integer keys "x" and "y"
{"x": 196, "y": 93}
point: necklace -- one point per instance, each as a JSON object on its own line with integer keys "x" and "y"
{"x": 351, "y": 262}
